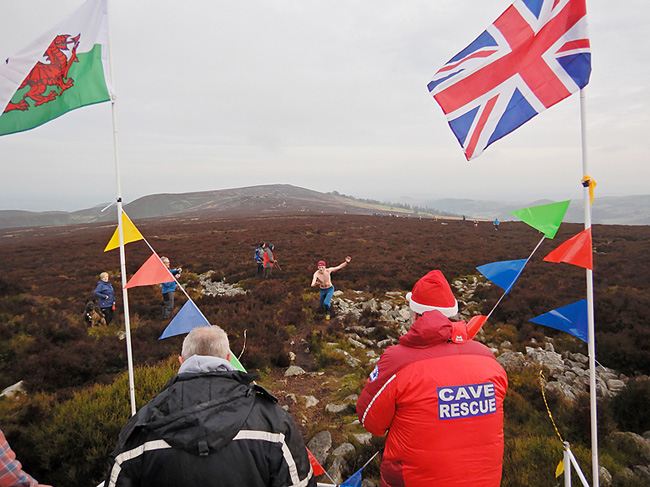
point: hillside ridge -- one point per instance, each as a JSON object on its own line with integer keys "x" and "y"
{"x": 286, "y": 199}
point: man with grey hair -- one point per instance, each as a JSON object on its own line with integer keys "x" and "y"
{"x": 210, "y": 425}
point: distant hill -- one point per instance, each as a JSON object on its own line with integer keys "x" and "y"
{"x": 623, "y": 210}
{"x": 284, "y": 199}
{"x": 252, "y": 201}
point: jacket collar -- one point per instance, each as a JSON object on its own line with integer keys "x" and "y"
{"x": 200, "y": 364}
{"x": 429, "y": 329}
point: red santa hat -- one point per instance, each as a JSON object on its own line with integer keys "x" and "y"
{"x": 433, "y": 292}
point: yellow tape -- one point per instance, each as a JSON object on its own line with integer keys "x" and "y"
{"x": 592, "y": 185}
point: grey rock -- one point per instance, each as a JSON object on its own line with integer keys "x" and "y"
{"x": 339, "y": 465}
{"x": 310, "y": 401}
{"x": 320, "y": 445}
{"x": 387, "y": 342}
{"x": 343, "y": 449}
{"x": 363, "y": 438}
{"x": 336, "y": 408}
{"x": 615, "y": 385}
{"x": 360, "y": 330}
{"x": 642, "y": 471}
{"x": 551, "y": 360}
{"x": 578, "y": 357}
{"x": 10, "y": 391}
{"x": 294, "y": 370}
{"x": 349, "y": 359}
{"x": 564, "y": 389}
{"x": 636, "y": 445}
{"x": 218, "y": 288}
{"x": 355, "y": 343}
{"x": 604, "y": 477}
{"x": 512, "y": 360}
{"x": 371, "y": 305}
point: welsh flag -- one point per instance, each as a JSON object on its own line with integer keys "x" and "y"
{"x": 64, "y": 69}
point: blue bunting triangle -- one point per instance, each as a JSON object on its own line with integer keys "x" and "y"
{"x": 504, "y": 273}
{"x": 187, "y": 318}
{"x": 571, "y": 319}
{"x": 354, "y": 480}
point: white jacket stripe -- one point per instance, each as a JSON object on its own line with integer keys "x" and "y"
{"x": 286, "y": 452}
{"x": 363, "y": 419}
{"x": 131, "y": 454}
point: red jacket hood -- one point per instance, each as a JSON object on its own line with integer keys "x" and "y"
{"x": 429, "y": 329}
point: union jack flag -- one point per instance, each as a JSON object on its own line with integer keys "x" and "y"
{"x": 533, "y": 56}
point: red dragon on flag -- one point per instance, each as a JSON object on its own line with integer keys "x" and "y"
{"x": 52, "y": 74}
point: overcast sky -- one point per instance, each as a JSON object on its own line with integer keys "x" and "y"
{"x": 326, "y": 95}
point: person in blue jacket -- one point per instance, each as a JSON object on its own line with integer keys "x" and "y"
{"x": 105, "y": 297}
{"x": 168, "y": 289}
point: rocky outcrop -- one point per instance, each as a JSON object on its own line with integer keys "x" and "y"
{"x": 568, "y": 373}
{"x": 218, "y": 288}
{"x": 10, "y": 391}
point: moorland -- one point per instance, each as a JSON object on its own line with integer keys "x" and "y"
{"x": 76, "y": 392}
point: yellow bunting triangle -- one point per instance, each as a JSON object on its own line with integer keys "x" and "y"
{"x": 559, "y": 470}
{"x": 131, "y": 234}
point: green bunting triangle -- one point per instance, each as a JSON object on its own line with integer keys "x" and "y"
{"x": 545, "y": 218}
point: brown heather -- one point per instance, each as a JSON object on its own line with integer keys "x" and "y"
{"x": 77, "y": 400}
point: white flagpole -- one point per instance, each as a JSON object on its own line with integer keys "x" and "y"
{"x": 593, "y": 396}
{"x": 125, "y": 293}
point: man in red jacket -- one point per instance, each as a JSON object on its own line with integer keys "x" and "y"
{"x": 439, "y": 396}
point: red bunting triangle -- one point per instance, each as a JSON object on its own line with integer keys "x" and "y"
{"x": 577, "y": 251}
{"x": 474, "y": 325}
{"x": 153, "y": 271}
{"x": 317, "y": 467}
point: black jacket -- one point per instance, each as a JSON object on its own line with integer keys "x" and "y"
{"x": 210, "y": 429}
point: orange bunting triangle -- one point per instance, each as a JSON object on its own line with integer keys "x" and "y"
{"x": 131, "y": 234}
{"x": 577, "y": 251}
{"x": 153, "y": 271}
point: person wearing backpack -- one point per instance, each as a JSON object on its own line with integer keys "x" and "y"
{"x": 269, "y": 260}
{"x": 259, "y": 259}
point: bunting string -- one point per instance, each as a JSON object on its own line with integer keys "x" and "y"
{"x": 506, "y": 292}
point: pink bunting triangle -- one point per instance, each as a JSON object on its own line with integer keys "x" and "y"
{"x": 577, "y": 251}
{"x": 153, "y": 271}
